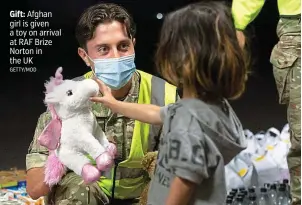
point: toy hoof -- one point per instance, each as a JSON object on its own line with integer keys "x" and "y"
{"x": 104, "y": 161}
{"x": 111, "y": 149}
{"x": 90, "y": 174}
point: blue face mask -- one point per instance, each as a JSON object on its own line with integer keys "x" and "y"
{"x": 115, "y": 72}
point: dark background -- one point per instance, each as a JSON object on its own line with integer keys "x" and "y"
{"x": 22, "y": 93}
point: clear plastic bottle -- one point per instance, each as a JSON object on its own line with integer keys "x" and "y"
{"x": 252, "y": 191}
{"x": 239, "y": 201}
{"x": 287, "y": 189}
{"x": 282, "y": 197}
{"x": 245, "y": 196}
{"x": 263, "y": 197}
{"x": 229, "y": 201}
{"x": 252, "y": 200}
{"x": 272, "y": 194}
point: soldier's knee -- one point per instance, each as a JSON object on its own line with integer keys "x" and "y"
{"x": 72, "y": 192}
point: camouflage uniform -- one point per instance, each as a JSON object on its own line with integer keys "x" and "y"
{"x": 118, "y": 128}
{"x": 286, "y": 60}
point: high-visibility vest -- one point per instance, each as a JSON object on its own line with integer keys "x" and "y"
{"x": 245, "y": 11}
{"x": 153, "y": 90}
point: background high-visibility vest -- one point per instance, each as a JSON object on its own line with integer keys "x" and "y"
{"x": 245, "y": 11}
{"x": 153, "y": 90}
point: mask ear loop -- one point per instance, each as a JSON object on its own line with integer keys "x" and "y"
{"x": 87, "y": 56}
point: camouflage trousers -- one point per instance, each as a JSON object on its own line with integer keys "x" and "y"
{"x": 286, "y": 61}
{"x": 70, "y": 191}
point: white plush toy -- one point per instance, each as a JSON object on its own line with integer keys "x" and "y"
{"x": 73, "y": 132}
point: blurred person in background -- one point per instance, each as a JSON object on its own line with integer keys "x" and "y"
{"x": 286, "y": 61}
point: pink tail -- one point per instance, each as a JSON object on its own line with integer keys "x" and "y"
{"x": 54, "y": 170}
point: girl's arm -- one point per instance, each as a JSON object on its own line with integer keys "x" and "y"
{"x": 181, "y": 191}
{"x": 142, "y": 112}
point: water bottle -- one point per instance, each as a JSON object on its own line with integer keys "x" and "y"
{"x": 272, "y": 194}
{"x": 282, "y": 197}
{"x": 239, "y": 201}
{"x": 252, "y": 191}
{"x": 230, "y": 198}
{"x": 287, "y": 188}
{"x": 232, "y": 193}
{"x": 229, "y": 201}
{"x": 252, "y": 200}
{"x": 245, "y": 196}
{"x": 263, "y": 198}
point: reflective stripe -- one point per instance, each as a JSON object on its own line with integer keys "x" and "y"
{"x": 170, "y": 94}
{"x": 157, "y": 98}
{"x": 124, "y": 172}
{"x": 125, "y": 188}
{"x": 140, "y": 141}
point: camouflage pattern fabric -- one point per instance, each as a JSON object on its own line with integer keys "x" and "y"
{"x": 286, "y": 60}
{"x": 119, "y": 129}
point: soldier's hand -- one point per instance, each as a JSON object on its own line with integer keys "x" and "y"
{"x": 107, "y": 99}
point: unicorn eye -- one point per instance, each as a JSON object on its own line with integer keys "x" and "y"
{"x": 69, "y": 92}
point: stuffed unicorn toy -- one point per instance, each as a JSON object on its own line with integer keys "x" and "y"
{"x": 73, "y": 132}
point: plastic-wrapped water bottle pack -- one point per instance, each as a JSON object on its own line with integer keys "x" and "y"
{"x": 263, "y": 161}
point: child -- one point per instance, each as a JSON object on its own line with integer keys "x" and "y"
{"x": 198, "y": 51}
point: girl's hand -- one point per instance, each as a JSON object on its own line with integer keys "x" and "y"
{"x": 107, "y": 99}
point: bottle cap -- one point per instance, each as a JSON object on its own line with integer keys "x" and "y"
{"x": 252, "y": 190}
{"x": 230, "y": 197}
{"x": 281, "y": 188}
{"x": 273, "y": 186}
{"x": 282, "y": 185}
{"x": 263, "y": 189}
{"x": 229, "y": 201}
{"x": 285, "y": 181}
{"x": 241, "y": 189}
{"x": 235, "y": 190}
{"x": 239, "y": 199}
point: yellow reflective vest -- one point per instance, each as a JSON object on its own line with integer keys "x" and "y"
{"x": 245, "y": 11}
{"x": 153, "y": 90}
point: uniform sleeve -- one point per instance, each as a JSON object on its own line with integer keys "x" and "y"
{"x": 189, "y": 157}
{"x": 245, "y": 11}
{"x": 37, "y": 154}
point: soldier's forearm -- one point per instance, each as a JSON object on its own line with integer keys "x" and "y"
{"x": 35, "y": 185}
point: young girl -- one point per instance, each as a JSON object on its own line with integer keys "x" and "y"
{"x": 198, "y": 51}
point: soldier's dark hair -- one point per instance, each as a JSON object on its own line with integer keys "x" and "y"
{"x": 102, "y": 13}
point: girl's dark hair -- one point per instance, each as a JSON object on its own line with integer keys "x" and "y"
{"x": 199, "y": 48}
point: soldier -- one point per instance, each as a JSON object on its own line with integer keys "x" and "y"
{"x": 286, "y": 61}
{"x": 107, "y": 31}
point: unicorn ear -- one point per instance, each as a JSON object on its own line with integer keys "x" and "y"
{"x": 51, "y": 98}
